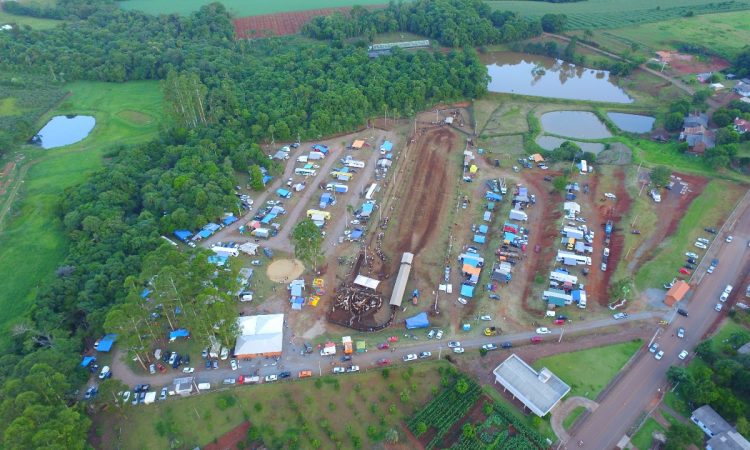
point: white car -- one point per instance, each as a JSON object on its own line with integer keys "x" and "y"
{"x": 353, "y": 369}
{"x": 339, "y": 370}
{"x": 700, "y": 245}
{"x": 724, "y": 296}
{"x": 423, "y": 355}
{"x": 461, "y": 300}
{"x": 728, "y": 289}
{"x": 654, "y": 347}
{"x": 224, "y": 353}
{"x": 125, "y": 396}
{"x": 188, "y": 370}
{"x": 703, "y": 241}
{"x": 485, "y": 318}
{"x": 439, "y": 334}
{"x": 683, "y": 354}
{"x": 489, "y": 347}
{"x": 453, "y": 344}
{"x": 710, "y": 269}
{"x": 354, "y": 222}
{"x": 105, "y": 373}
{"x": 543, "y": 330}
{"x": 610, "y": 195}
{"x": 729, "y": 238}
{"x": 717, "y": 308}
{"x": 270, "y": 378}
{"x": 410, "y": 357}
{"x": 458, "y": 350}
{"x": 691, "y": 255}
{"x": 659, "y": 355}
{"x": 233, "y": 363}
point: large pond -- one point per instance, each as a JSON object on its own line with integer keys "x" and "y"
{"x": 575, "y": 124}
{"x": 514, "y": 73}
{"x": 552, "y": 142}
{"x": 64, "y": 130}
{"x": 632, "y": 123}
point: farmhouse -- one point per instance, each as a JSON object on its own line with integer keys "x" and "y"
{"x": 710, "y": 421}
{"x": 696, "y": 133}
{"x": 538, "y": 391}
{"x": 676, "y": 293}
{"x": 741, "y": 125}
{"x": 261, "y": 335}
{"x": 728, "y": 440}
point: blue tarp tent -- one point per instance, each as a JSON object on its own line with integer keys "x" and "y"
{"x": 213, "y": 227}
{"x": 509, "y": 237}
{"x": 418, "y": 321}
{"x": 205, "y": 233}
{"x": 218, "y": 259}
{"x": 228, "y": 220}
{"x": 467, "y": 290}
{"x": 367, "y": 209}
{"x": 145, "y": 292}
{"x": 183, "y": 235}
{"x": 296, "y": 290}
{"x": 267, "y": 179}
{"x": 389, "y": 156}
{"x": 268, "y": 218}
{"x": 325, "y": 200}
{"x": 356, "y": 234}
{"x": 489, "y": 195}
{"x": 87, "y": 360}
{"x": 576, "y": 295}
{"x": 472, "y": 261}
{"x": 387, "y": 146}
{"x": 105, "y": 344}
{"x": 479, "y": 239}
{"x": 283, "y": 193}
{"x": 297, "y": 303}
{"x": 179, "y": 333}
{"x": 483, "y": 229}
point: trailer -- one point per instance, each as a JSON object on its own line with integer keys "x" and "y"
{"x": 573, "y": 233}
{"x": 371, "y": 191}
{"x": 263, "y": 233}
{"x": 225, "y": 251}
{"x": 502, "y": 186}
{"x": 518, "y": 215}
{"x": 355, "y": 163}
{"x": 562, "y": 277}
{"x": 305, "y": 172}
{"x": 314, "y": 156}
{"x": 566, "y": 257}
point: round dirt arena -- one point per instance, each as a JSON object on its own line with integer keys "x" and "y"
{"x": 283, "y": 270}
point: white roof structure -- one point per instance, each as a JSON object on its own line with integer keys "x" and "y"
{"x": 538, "y": 391}
{"x": 367, "y": 282}
{"x": 250, "y": 248}
{"x": 259, "y": 335}
{"x": 572, "y": 207}
{"x": 401, "y": 279}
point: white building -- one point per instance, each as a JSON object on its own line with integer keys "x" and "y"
{"x": 259, "y": 336}
{"x": 538, "y": 391}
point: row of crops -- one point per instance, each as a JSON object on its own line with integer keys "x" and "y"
{"x": 445, "y": 410}
{"x": 621, "y": 20}
{"x": 495, "y": 432}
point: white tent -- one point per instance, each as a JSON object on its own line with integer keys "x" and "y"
{"x": 364, "y": 281}
{"x": 259, "y": 336}
{"x": 249, "y": 248}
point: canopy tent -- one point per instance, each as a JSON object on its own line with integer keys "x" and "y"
{"x": 183, "y": 235}
{"x": 366, "y": 210}
{"x": 387, "y": 146}
{"x": 537, "y": 157}
{"x": 483, "y": 229}
{"x": 367, "y": 282}
{"x": 178, "y": 333}
{"x": 228, "y": 220}
{"x": 472, "y": 259}
{"x": 87, "y": 360}
{"x": 479, "y": 239}
{"x": 261, "y": 335}
{"x": 105, "y": 343}
{"x": 355, "y": 234}
{"x": 467, "y": 290}
{"x": 473, "y": 169}
{"x": 418, "y": 321}
{"x": 358, "y": 144}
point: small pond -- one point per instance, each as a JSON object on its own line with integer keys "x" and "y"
{"x": 64, "y": 130}
{"x": 552, "y": 142}
{"x": 575, "y": 124}
{"x": 539, "y": 76}
{"x": 632, "y": 123}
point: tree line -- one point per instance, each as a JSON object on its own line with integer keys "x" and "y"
{"x": 224, "y": 96}
{"x": 454, "y": 23}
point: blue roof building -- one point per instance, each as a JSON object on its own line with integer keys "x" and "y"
{"x": 229, "y": 220}
{"x": 183, "y": 235}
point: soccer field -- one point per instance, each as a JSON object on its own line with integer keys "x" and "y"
{"x": 241, "y": 8}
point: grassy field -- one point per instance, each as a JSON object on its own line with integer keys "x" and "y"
{"x": 32, "y": 243}
{"x": 614, "y": 13}
{"x": 709, "y": 209}
{"x": 642, "y": 439}
{"x": 724, "y": 34}
{"x": 316, "y": 410}
{"x": 240, "y": 8}
{"x": 575, "y": 368}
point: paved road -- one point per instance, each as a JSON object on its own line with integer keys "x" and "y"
{"x": 642, "y": 386}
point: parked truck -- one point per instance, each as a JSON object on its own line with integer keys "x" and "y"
{"x": 502, "y": 186}
{"x": 518, "y": 215}
{"x": 608, "y": 232}
{"x": 347, "y": 341}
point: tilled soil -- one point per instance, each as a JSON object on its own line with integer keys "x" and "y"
{"x": 230, "y": 439}
{"x": 280, "y": 24}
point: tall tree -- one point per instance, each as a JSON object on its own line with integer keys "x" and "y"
{"x": 307, "y": 240}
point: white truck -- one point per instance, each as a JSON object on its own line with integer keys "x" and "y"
{"x": 354, "y": 163}
{"x": 518, "y": 215}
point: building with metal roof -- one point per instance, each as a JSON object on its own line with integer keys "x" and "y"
{"x": 261, "y": 335}
{"x": 709, "y": 421}
{"x": 539, "y": 391}
{"x": 401, "y": 279}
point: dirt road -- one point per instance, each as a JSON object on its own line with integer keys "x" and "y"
{"x": 646, "y": 381}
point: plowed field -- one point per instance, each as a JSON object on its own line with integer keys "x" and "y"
{"x": 277, "y": 24}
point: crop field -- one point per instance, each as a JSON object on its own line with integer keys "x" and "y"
{"x": 724, "y": 34}
{"x": 344, "y": 411}
{"x": 241, "y": 8}
{"x": 615, "y": 13}
{"x": 33, "y": 226}
{"x": 575, "y": 368}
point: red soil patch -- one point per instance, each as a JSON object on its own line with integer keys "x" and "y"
{"x": 687, "y": 64}
{"x": 280, "y": 24}
{"x": 7, "y": 168}
{"x": 230, "y": 439}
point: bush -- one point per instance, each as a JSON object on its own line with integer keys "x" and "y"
{"x": 225, "y": 401}
{"x": 385, "y": 373}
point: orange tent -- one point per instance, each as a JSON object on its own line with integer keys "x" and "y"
{"x": 359, "y": 143}
{"x": 676, "y": 293}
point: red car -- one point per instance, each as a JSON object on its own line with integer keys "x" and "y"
{"x": 384, "y": 361}
{"x": 559, "y": 322}
{"x": 536, "y": 339}
{"x": 684, "y": 271}
{"x": 384, "y": 346}
{"x": 161, "y": 367}
{"x": 393, "y": 339}
{"x": 537, "y": 248}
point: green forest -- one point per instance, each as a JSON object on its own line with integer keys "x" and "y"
{"x": 224, "y": 97}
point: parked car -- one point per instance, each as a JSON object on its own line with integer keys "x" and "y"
{"x": 229, "y": 381}
{"x": 711, "y": 230}
{"x": 718, "y": 306}
{"x": 431, "y": 334}
{"x": 233, "y": 364}
{"x": 410, "y": 357}
{"x": 710, "y": 269}
{"x": 188, "y": 370}
{"x": 559, "y": 322}
{"x": 90, "y": 392}
{"x": 255, "y": 262}
{"x": 384, "y": 361}
{"x": 163, "y": 394}
{"x": 619, "y": 316}
{"x": 224, "y": 353}
{"x": 701, "y": 245}
{"x": 684, "y": 271}
{"x": 105, "y": 373}
{"x": 125, "y": 396}
{"x": 506, "y": 345}
{"x": 152, "y": 369}
{"x": 352, "y": 369}
{"x": 536, "y": 339}
{"x": 270, "y": 378}
{"x": 439, "y": 334}
{"x": 462, "y": 301}
{"x": 215, "y": 364}
{"x": 485, "y": 318}
{"x": 423, "y": 355}
{"x": 659, "y": 355}
{"x": 383, "y": 346}
{"x": 654, "y": 347}
{"x": 453, "y": 344}
{"x": 682, "y": 312}
{"x": 543, "y": 330}
{"x": 285, "y": 374}
{"x": 346, "y": 358}
{"x": 208, "y": 364}
{"x": 610, "y": 195}
{"x": 703, "y": 241}
{"x": 680, "y": 332}
{"x": 729, "y": 238}
{"x": 683, "y": 354}
{"x": 458, "y": 350}
{"x": 489, "y": 347}
{"x": 338, "y": 370}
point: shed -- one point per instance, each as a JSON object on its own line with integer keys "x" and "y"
{"x": 367, "y": 282}
{"x": 676, "y": 293}
{"x": 538, "y": 391}
{"x": 401, "y": 279}
{"x": 418, "y": 321}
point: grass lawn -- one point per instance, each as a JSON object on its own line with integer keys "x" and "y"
{"x": 642, "y": 439}
{"x": 33, "y": 22}
{"x": 240, "y": 8}
{"x": 612, "y": 13}
{"x": 308, "y": 410}
{"x": 32, "y": 242}
{"x": 572, "y": 417}
{"x": 709, "y": 209}
{"x": 575, "y": 368}
{"x": 724, "y": 34}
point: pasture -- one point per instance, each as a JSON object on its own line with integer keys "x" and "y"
{"x": 610, "y": 14}
{"x": 241, "y": 8}
{"x": 32, "y": 240}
